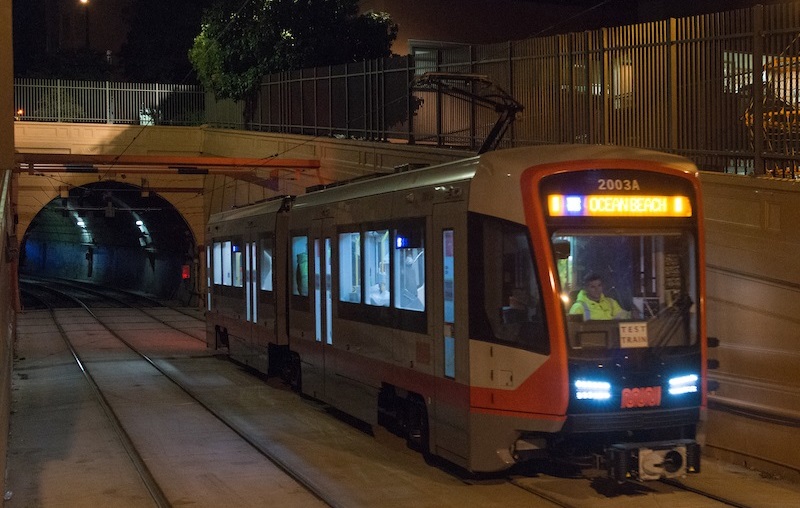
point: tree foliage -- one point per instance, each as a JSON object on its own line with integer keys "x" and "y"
{"x": 241, "y": 42}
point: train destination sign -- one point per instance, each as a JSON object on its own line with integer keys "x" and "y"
{"x": 615, "y": 205}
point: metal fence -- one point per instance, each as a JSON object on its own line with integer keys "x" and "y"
{"x": 722, "y": 89}
{"x": 57, "y": 100}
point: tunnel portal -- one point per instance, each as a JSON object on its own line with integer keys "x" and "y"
{"x": 113, "y": 234}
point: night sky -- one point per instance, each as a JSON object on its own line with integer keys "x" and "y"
{"x": 148, "y": 39}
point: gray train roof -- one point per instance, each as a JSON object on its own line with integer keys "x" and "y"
{"x": 441, "y": 174}
{"x": 270, "y": 206}
{"x": 495, "y": 176}
{"x": 516, "y": 160}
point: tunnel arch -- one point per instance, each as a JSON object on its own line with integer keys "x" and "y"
{"x": 116, "y": 234}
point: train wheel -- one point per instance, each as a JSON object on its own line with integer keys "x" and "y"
{"x": 417, "y": 430}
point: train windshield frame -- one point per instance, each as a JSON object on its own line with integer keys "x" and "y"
{"x": 625, "y": 245}
{"x": 646, "y": 281}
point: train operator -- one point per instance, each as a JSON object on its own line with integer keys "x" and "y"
{"x": 593, "y": 304}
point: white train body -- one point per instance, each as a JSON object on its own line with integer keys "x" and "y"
{"x": 390, "y": 299}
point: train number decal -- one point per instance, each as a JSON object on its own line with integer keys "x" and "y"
{"x": 617, "y": 184}
{"x": 641, "y": 397}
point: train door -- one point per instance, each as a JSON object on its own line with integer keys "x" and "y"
{"x": 321, "y": 240}
{"x": 449, "y": 319}
{"x": 250, "y": 281}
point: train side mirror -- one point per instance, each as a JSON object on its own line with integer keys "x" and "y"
{"x": 562, "y": 249}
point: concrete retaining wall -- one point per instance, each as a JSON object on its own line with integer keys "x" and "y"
{"x": 753, "y": 302}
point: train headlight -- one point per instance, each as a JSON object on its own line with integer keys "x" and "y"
{"x": 684, "y": 384}
{"x": 586, "y": 389}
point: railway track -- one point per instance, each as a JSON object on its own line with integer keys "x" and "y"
{"x": 149, "y": 306}
{"x": 107, "y": 333}
{"x": 155, "y": 484}
{"x": 150, "y": 483}
{"x": 367, "y": 470}
{"x": 599, "y": 492}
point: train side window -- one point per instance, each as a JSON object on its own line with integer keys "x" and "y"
{"x": 504, "y": 292}
{"x": 227, "y": 277}
{"x": 217, "y": 263}
{"x": 449, "y": 304}
{"x": 265, "y": 263}
{"x": 377, "y": 268}
{"x": 300, "y": 265}
{"x": 409, "y": 263}
{"x": 350, "y": 267}
{"x": 237, "y": 266}
{"x": 209, "y": 275}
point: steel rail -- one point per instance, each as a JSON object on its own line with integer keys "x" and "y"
{"x": 138, "y": 462}
{"x": 303, "y": 480}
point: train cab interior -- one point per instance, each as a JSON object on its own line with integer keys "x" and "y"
{"x": 651, "y": 275}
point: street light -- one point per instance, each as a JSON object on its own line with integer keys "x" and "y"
{"x": 85, "y": 4}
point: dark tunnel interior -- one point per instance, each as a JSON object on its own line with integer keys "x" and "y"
{"x": 113, "y": 234}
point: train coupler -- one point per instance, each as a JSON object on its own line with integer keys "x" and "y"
{"x": 653, "y": 461}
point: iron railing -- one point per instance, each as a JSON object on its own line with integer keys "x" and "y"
{"x": 57, "y": 100}
{"x": 722, "y": 89}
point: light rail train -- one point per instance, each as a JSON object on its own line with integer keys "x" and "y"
{"x": 441, "y": 303}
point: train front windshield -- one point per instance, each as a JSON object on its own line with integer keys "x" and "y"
{"x": 627, "y": 288}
